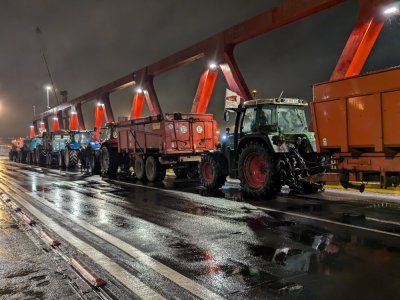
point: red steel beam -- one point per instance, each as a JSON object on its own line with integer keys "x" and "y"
{"x": 137, "y": 105}
{"x": 73, "y": 123}
{"x": 362, "y": 39}
{"x": 105, "y": 99}
{"x": 204, "y": 90}
{"x": 98, "y": 120}
{"x": 286, "y": 13}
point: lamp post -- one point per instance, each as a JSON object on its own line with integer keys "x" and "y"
{"x": 48, "y": 89}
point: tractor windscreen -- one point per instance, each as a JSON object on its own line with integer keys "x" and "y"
{"x": 83, "y": 138}
{"x": 292, "y": 119}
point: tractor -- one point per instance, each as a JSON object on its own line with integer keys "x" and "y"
{"x": 270, "y": 147}
{"x": 76, "y": 148}
{"x": 64, "y": 148}
{"x": 15, "y": 153}
{"x": 109, "y": 157}
{"x": 32, "y": 150}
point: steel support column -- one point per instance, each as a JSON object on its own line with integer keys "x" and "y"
{"x": 204, "y": 91}
{"x": 98, "y": 120}
{"x": 56, "y": 124}
{"x": 46, "y": 124}
{"x": 81, "y": 121}
{"x": 105, "y": 99}
{"x": 73, "y": 123}
{"x": 233, "y": 76}
{"x": 137, "y": 104}
{"x": 361, "y": 40}
{"x": 60, "y": 120}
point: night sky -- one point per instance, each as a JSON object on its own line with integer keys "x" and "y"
{"x": 92, "y": 42}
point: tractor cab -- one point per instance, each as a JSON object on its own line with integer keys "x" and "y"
{"x": 281, "y": 121}
{"x": 81, "y": 139}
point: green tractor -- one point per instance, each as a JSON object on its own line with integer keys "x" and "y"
{"x": 270, "y": 147}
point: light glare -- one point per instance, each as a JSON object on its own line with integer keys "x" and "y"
{"x": 391, "y": 10}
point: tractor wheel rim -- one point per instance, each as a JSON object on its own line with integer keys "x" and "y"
{"x": 207, "y": 170}
{"x": 255, "y": 170}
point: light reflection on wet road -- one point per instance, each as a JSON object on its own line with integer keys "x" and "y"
{"x": 230, "y": 246}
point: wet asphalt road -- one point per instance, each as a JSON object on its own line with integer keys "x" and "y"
{"x": 288, "y": 247}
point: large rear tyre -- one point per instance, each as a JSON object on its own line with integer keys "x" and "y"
{"x": 109, "y": 161}
{"x": 154, "y": 170}
{"x": 96, "y": 168}
{"x": 42, "y": 157}
{"x": 70, "y": 158}
{"x": 213, "y": 170}
{"x": 140, "y": 171}
{"x": 256, "y": 171}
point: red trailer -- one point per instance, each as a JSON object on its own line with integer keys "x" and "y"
{"x": 176, "y": 141}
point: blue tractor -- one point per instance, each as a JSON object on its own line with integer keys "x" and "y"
{"x": 65, "y": 148}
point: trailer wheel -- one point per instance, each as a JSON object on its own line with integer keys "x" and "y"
{"x": 255, "y": 170}
{"x": 213, "y": 170}
{"x": 154, "y": 170}
{"x": 140, "y": 171}
{"x": 109, "y": 161}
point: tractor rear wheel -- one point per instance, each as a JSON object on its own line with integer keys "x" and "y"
{"x": 70, "y": 158}
{"x": 109, "y": 161}
{"x": 42, "y": 157}
{"x": 213, "y": 170}
{"x": 96, "y": 168}
{"x": 154, "y": 170}
{"x": 140, "y": 171}
{"x": 256, "y": 171}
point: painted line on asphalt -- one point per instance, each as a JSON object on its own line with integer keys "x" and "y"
{"x": 268, "y": 209}
{"x": 383, "y": 221}
{"x": 179, "y": 279}
{"x": 328, "y": 221}
{"x": 126, "y": 278}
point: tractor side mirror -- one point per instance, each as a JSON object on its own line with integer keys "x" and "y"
{"x": 226, "y": 116}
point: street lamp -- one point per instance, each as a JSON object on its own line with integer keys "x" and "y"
{"x": 48, "y": 89}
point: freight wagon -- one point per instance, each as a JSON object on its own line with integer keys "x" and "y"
{"x": 356, "y": 120}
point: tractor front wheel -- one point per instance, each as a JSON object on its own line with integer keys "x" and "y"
{"x": 213, "y": 170}
{"x": 109, "y": 161}
{"x": 255, "y": 170}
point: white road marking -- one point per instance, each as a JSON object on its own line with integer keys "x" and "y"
{"x": 269, "y": 210}
{"x": 328, "y": 221}
{"x": 126, "y": 278}
{"x": 181, "y": 280}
